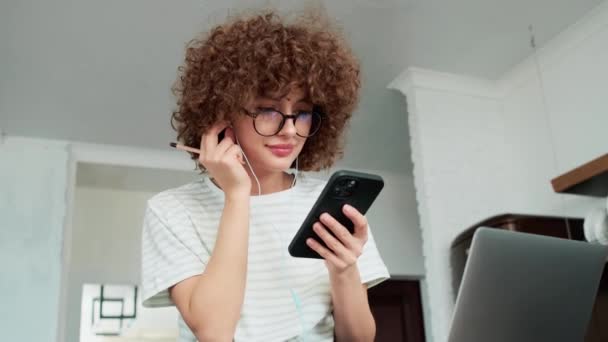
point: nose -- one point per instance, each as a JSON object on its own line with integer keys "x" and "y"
{"x": 289, "y": 128}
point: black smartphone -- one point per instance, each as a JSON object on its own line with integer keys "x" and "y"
{"x": 357, "y": 189}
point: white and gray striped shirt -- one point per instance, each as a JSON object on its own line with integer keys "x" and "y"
{"x": 179, "y": 232}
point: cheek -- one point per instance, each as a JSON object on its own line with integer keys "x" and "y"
{"x": 251, "y": 142}
{"x": 245, "y": 132}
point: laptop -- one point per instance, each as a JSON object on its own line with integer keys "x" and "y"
{"x": 526, "y": 288}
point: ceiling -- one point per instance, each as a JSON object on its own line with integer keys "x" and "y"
{"x": 100, "y": 71}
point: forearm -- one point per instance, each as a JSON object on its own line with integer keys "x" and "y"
{"x": 217, "y": 298}
{"x": 352, "y": 315}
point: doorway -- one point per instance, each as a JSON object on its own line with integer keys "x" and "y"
{"x": 102, "y": 251}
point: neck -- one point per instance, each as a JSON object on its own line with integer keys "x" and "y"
{"x": 270, "y": 182}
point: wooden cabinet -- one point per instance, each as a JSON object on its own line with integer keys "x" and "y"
{"x": 397, "y": 308}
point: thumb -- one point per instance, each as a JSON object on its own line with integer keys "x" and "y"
{"x": 361, "y": 231}
{"x": 359, "y": 221}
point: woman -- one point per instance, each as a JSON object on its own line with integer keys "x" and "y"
{"x": 259, "y": 96}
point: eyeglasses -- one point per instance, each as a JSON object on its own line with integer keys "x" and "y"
{"x": 269, "y": 121}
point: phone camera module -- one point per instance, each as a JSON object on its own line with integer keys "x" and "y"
{"x": 337, "y": 190}
{"x": 344, "y": 187}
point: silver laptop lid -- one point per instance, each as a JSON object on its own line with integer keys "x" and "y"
{"x": 524, "y": 287}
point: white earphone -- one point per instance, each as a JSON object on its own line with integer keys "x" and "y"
{"x": 296, "y": 299}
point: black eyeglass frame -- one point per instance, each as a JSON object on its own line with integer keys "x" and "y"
{"x": 316, "y": 115}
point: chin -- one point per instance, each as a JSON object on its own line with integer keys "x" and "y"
{"x": 280, "y": 165}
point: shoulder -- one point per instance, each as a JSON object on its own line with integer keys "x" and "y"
{"x": 171, "y": 200}
{"x": 171, "y": 195}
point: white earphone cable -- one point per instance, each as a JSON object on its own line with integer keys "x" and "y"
{"x": 294, "y": 295}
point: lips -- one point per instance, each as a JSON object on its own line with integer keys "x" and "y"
{"x": 281, "y": 150}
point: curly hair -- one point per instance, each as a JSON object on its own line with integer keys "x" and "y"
{"x": 255, "y": 55}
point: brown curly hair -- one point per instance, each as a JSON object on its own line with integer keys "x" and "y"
{"x": 259, "y": 54}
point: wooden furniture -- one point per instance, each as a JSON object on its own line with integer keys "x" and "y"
{"x": 397, "y": 309}
{"x": 588, "y": 179}
{"x": 561, "y": 227}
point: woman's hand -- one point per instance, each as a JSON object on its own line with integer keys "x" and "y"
{"x": 345, "y": 248}
{"x": 224, "y": 160}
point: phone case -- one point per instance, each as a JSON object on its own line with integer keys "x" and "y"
{"x": 344, "y": 187}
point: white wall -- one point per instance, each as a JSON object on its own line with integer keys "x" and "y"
{"x": 33, "y": 177}
{"x": 482, "y": 148}
{"x": 106, "y": 245}
{"x": 393, "y": 219}
{"x": 106, "y": 238}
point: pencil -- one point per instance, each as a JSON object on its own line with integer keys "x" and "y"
{"x": 194, "y": 150}
{"x": 184, "y": 148}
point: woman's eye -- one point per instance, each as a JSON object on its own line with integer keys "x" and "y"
{"x": 304, "y": 113}
{"x": 266, "y": 110}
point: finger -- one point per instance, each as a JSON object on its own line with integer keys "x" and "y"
{"x": 325, "y": 253}
{"x": 339, "y": 230}
{"x": 235, "y": 152}
{"x": 331, "y": 242}
{"x": 224, "y": 145}
{"x": 359, "y": 221}
{"x": 209, "y": 139}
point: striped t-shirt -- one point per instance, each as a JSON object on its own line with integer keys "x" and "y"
{"x": 286, "y": 298}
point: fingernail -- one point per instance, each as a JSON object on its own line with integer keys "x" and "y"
{"x": 348, "y": 208}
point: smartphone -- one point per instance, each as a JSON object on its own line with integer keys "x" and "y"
{"x": 357, "y": 189}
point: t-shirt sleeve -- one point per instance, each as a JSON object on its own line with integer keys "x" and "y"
{"x": 372, "y": 269}
{"x": 172, "y": 251}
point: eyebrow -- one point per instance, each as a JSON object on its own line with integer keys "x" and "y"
{"x": 304, "y": 100}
